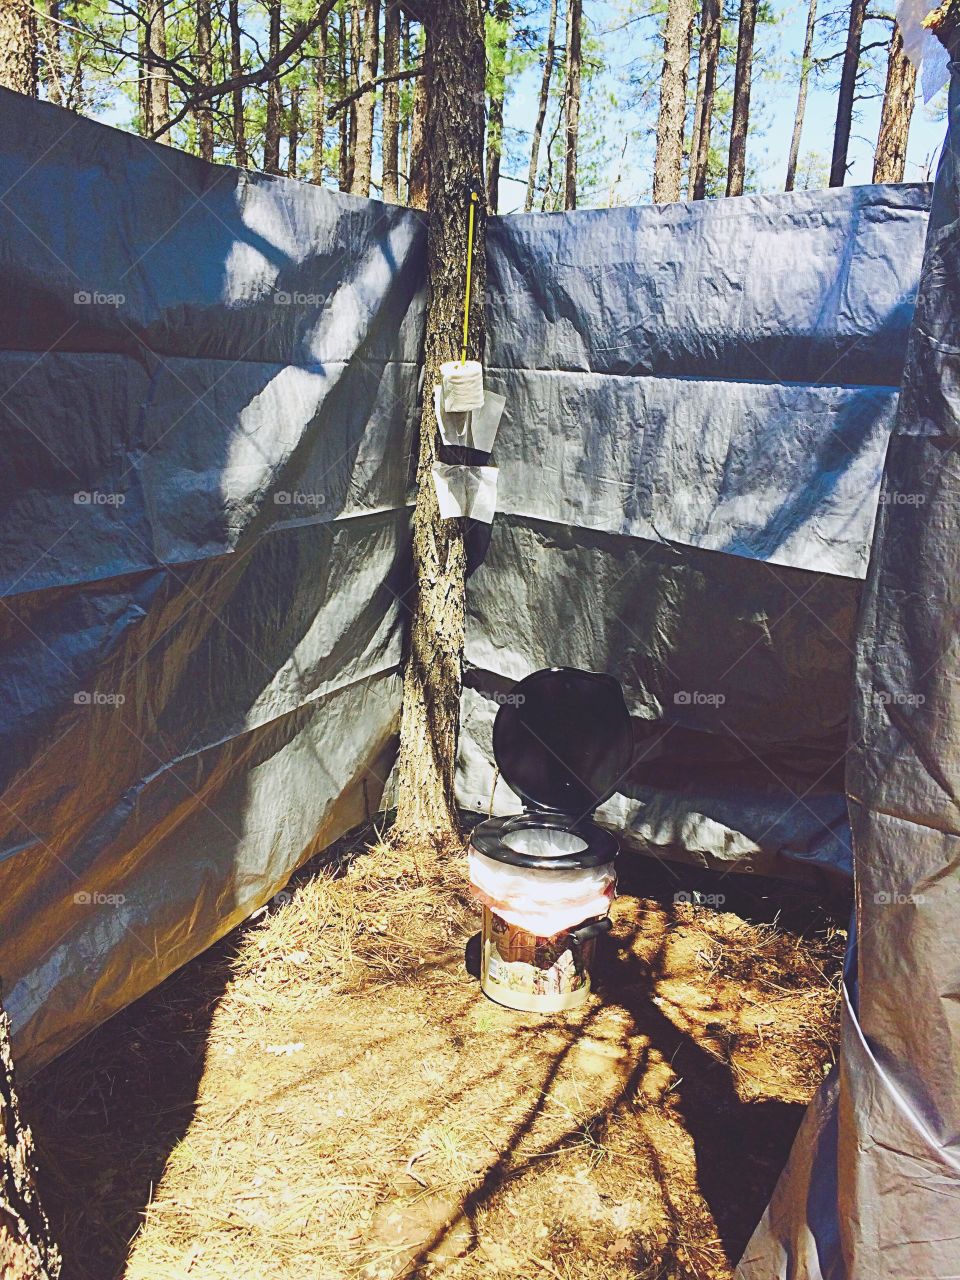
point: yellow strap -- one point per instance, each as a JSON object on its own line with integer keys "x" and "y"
{"x": 466, "y": 301}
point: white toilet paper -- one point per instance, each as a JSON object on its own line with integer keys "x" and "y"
{"x": 462, "y": 385}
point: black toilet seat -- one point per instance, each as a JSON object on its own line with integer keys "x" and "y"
{"x": 489, "y": 838}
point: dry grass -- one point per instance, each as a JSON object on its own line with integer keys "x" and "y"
{"x": 327, "y": 1096}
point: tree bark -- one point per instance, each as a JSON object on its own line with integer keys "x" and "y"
{"x": 572, "y": 97}
{"x": 419, "y": 185}
{"x": 271, "y": 136}
{"x": 710, "y": 31}
{"x": 53, "y": 54}
{"x": 27, "y": 1251}
{"x": 293, "y": 132}
{"x": 205, "y": 75}
{"x": 740, "y": 122}
{"x": 18, "y": 46}
{"x": 236, "y": 97}
{"x": 404, "y": 159}
{"x": 668, "y": 163}
{"x": 159, "y": 84}
{"x": 366, "y": 106}
{"x": 890, "y": 158}
{"x": 319, "y": 104}
{"x": 429, "y": 722}
{"x": 805, "y": 66}
{"x": 343, "y": 159}
{"x": 391, "y": 103}
{"x": 848, "y": 86}
{"x": 502, "y": 12}
{"x": 548, "y": 59}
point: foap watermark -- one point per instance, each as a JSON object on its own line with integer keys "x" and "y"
{"x": 97, "y": 698}
{"x": 294, "y": 298}
{"x": 94, "y": 898}
{"x": 887, "y": 898}
{"x": 888, "y": 699}
{"x": 694, "y": 898}
{"x": 698, "y": 698}
{"x": 297, "y": 498}
{"x": 98, "y": 498}
{"x": 97, "y": 298}
{"x": 897, "y": 498}
{"x": 508, "y": 699}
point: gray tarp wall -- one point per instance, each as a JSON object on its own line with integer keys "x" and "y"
{"x": 699, "y": 399}
{"x": 872, "y": 1189}
{"x": 207, "y": 390}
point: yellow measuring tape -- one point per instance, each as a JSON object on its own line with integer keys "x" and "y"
{"x": 466, "y": 302}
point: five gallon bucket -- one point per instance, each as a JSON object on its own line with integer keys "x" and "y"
{"x": 538, "y": 974}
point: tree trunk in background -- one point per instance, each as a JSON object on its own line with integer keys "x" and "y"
{"x": 890, "y": 159}
{"x": 293, "y": 132}
{"x": 204, "y": 114}
{"x": 805, "y": 65}
{"x": 548, "y": 57}
{"x": 668, "y": 164}
{"x": 27, "y": 1251}
{"x": 391, "y": 103}
{"x": 144, "y": 87}
{"x": 363, "y": 155}
{"x": 710, "y": 20}
{"x": 848, "y": 86}
{"x": 355, "y": 45}
{"x": 404, "y": 175}
{"x": 319, "y": 104}
{"x": 271, "y": 136}
{"x": 343, "y": 166}
{"x": 54, "y": 54}
{"x": 236, "y": 67}
{"x": 502, "y": 12}
{"x": 18, "y": 46}
{"x": 419, "y": 184}
{"x": 740, "y": 122}
{"x": 159, "y": 83}
{"x": 429, "y": 722}
{"x": 572, "y": 101}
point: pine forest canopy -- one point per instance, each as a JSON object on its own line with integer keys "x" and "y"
{"x": 589, "y": 102}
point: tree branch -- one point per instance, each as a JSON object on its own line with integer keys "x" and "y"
{"x": 368, "y": 85}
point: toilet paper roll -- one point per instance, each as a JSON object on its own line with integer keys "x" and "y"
{"x": 462, "y": 385}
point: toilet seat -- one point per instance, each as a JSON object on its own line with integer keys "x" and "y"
{"x": 562, "y": 740}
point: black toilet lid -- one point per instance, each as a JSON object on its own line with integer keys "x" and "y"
{"x": 564, "y": 740}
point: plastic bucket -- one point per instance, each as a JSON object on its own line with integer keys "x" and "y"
{"x": 521, "y": 970}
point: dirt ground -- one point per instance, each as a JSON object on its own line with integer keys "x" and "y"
{"x": 326, "y": 1095}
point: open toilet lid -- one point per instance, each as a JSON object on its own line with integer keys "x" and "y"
{"x": 564, "y": 740}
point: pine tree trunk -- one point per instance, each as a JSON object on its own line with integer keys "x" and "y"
{"x": 805, "y": 66}
{"x": 159, "y": 97}
{"x": 355, "y": 47}
{"x": 319, "y": 104}
{"x": 391, "y": 103}
{"x": 343, "y": 159}
{"x": 548, "y": 58}
{"x": 848, "y": 86}
{"x": 236, "y": 98}
{"x": 293, "y": 132}
{"x": 18, "y": 46}
{"x": 144, "y": 84}
{"x": 710, "y": 31}
{"x": 668, "y": 164}
{"x": 502, "y": 11}
{"x": 271, "y": 135}
{"x": 404, "y": 176}
{"x": 572, "y": 108}
{"x": 205, "y": 76}
{"x": 429, "y": 723}
{"x": 54, "y": 53}
{"x": 740, "y": 122}
{"x": 363, "y": 156}
{"x": 27, "y": 1251}
{"x": 419, "y": 185}
{"x": 890, "y": 158}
